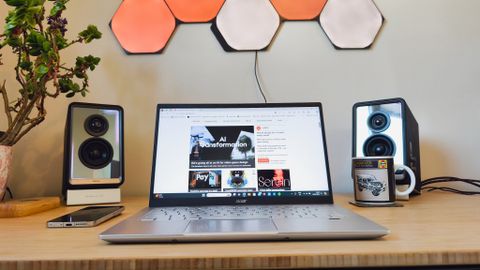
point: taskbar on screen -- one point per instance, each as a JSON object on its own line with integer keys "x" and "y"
{"x": 241, "y": 194}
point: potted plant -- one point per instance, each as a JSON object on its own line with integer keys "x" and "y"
{"x": 37, "y": 38}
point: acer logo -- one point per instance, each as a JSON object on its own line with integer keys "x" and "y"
{"x": 241, "y": 201}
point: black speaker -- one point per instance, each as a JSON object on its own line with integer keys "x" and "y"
{"x": 93, "y": 154}
{"x": 387, "y": 127}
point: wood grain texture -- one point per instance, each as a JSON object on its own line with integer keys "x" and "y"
{"x": 432, "y": 229}
{"x": 30, "y": 206}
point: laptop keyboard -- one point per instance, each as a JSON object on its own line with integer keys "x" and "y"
{"x": 240, "y": 212}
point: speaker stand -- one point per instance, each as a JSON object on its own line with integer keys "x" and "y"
{"x": 92, "y": 196}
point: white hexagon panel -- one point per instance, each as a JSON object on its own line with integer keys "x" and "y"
{"x": 351, "y": 24}
{"x": 246, "y": 25}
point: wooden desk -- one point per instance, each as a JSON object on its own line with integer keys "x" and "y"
{"x": 432, "y": 229}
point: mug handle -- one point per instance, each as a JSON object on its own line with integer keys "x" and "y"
{"x": 411, "y": 187}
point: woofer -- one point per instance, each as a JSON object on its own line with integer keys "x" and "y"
{"x": 379, "y": 145}
{"x": 95, "y": 153}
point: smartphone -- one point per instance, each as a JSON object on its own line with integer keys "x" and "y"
{"x": 86, "y": 217}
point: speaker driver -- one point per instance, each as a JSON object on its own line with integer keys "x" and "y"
{"x": 378, "y": 121}
{"x": 95, "y": 153}
{"x": 379, "y": 145}
{"x": 96, "y": 125}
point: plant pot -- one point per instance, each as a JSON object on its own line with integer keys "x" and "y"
{"x": 5, "y": 167}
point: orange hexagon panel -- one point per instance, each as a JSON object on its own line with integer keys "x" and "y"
{"x": 192, "y": 11}
{"x": 351, "y": 24}
{"x": 299, "y": 10}
{"x": 246, "y": 25}
{"x": 143, "y": 26}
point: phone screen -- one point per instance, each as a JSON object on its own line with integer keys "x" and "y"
{"x": 90, "y": 213}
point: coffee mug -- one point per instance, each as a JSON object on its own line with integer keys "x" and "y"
{"x": 374, "y": 180}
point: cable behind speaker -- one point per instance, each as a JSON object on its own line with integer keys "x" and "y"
{"x": 429, "y": 185}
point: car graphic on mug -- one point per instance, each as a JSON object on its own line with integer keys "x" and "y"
{"x": 370, "y": 182}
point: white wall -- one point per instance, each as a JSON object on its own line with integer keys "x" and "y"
{"x": 428, "y": 52}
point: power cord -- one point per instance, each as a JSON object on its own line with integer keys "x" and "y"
{"x": 255, "y": 70}
{"x": 427, "y": 185}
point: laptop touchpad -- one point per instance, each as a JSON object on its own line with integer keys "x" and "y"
{"x": 213, "y": 226}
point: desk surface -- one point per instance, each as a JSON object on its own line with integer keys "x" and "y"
{"x": 432, "y": 229}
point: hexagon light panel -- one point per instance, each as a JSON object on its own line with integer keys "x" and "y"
{"x": 351, "y": 24}
{"x": 193, "y": 11}
{"x": 299, "y": 10}
{"x": 246, "y": 25}
{"x": 143, "y": 26}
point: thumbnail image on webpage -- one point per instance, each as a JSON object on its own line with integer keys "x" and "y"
{"x": 222, "y": 147}
{"x": 277, "y": 179}
{"x": 205, "y": 181}
{"x": 222, "y": 159}
{"x": 239, "y": 180}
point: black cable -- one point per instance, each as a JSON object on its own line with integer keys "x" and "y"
{"x": 449, "y": 179}
{"x": 453, "y": 190}
{"x": 445, "y": 179}
{"x": 255, "y": 70}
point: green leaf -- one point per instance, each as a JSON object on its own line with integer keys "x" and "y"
{"x": 92, "y": 61}
{"x": 23, "y": 15}
{"x": 79, "y": 74}
{"x": 65, "y": 85}
{"x": 61, "y": 41}
{"x": 14, "y": 42}
{"x": 16, "y": 3}
{"x": 52, "y": 56}
{"x": 11, "y": 22}
{"x": 90, "y": 34}
{"x": 71, "y": 94}
{"x": 41, "y": 70}
{"x": 80, "y": 61}
{"x": 88, "y": 61}
{"x": 26, "y": 65}
{"x": 35, "y": 42}
{"x": 9, "y": 26}
{"x": 30, "y": 14}
{"x": 46, "y": 46}
{"x": 36, "y": 2}
{"x": 30, "y": 88}
{"x": 57, "y": 8}
{"x": 76, "y": 87}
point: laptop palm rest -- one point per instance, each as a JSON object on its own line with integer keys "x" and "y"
{"x": 231, "y": 226}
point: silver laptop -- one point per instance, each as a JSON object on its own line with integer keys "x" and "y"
{"x": 229, "y": 172}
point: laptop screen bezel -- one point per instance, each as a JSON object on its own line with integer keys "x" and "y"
{"x": 160, "y": 202}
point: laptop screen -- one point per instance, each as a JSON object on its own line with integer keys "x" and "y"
{"x": 249, "y": 153}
